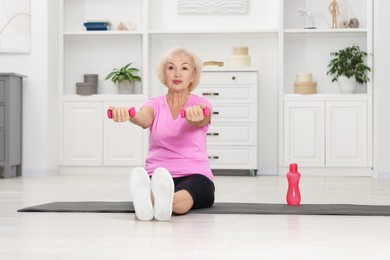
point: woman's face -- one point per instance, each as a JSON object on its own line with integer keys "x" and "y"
{"x": 179, "y": 73}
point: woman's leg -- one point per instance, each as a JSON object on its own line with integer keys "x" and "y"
{"x": 182, "y": 202}
{"x": 192, "y": 192}
{"x": 139, "y": 183}
{"x": 162, "y": 187}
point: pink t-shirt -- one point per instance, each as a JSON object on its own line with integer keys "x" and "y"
{"x": 175, "y": 145}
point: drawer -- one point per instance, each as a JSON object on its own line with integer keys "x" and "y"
{"x": 228, "y": 77}
{"x": 233, "y": 157}
{"x": 2, "y": 116}
{"x": 2, "y": 145}
{"x": 238, "y": 113}
{"x": 232, "y": 134}
{"x": 2, "y": 90}
{"x": 230, "y": 94}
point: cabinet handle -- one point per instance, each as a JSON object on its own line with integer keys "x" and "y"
{"x": 210, "y": 94}
{"x": 212, "y": 134}
{"x": 215, "y": 113}
{"x": 213, "y": 157}
{"x": 233, "y": 77}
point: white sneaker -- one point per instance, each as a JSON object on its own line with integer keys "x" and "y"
{"x": 139, "y": 183}
{"x": 162, "y": 189}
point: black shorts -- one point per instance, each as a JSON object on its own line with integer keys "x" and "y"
{"x": 200, "y": 188}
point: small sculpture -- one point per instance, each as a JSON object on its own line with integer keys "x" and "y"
{"x": 125, "y": 26}
{"x": 309, "y": 14}
{"x": 354, "y": 23}
{"x": 344, "y": 24}
{"x": 334, "y": 10}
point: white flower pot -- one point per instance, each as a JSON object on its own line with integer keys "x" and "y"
{"x": 347, "y": 85}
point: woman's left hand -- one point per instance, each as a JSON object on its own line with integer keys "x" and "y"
{"x": 195, "y": 116}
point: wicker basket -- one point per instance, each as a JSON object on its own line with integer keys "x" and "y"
{"x": 305, "y": 88}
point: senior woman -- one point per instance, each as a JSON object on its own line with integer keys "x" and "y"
{"x": 177, "y": 175}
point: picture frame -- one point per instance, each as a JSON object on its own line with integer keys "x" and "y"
{"x": 15, "y": 26}
{"x": 212, "y": 7}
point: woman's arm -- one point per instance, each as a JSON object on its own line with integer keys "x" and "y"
{"x": 143, "y": 118}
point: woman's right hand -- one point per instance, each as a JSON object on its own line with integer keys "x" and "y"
{"x": 120, "y": 114}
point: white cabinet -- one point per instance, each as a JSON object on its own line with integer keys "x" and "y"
{"x": 346, "y": 134}
{"x": 82, "y": 133}
{"x": 123, "y": 143}
{"x": 89, "y": 138}
{"x": 304, "y": 133}
{"x": 232, "y": 136}
{"x": 326, "y": 133}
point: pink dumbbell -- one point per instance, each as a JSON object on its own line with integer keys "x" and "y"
{"x": 206, "y": 112}
{"x": 132, "y": 112}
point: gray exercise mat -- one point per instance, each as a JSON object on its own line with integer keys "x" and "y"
{"x": 221, "y": 208}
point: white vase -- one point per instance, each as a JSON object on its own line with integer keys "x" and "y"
{"x": 126, "y": 87}
{"x": 347, "y": 85}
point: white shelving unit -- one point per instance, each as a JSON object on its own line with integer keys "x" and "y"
{"x": 278, "y": 45}
{"x": 311, "y": 130}
{"x": 308, "y": 50}
{"x": 88, "y": 140}
{"x": 158, "y": 27}
{"x": 98, "y": 52}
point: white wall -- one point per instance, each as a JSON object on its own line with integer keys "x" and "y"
{"x": 381, "y": 89}
{"x": 39, "y": 149}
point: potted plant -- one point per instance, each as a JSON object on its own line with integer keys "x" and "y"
{"x": 347, "y": 66}
{"x": 125, "y": 78}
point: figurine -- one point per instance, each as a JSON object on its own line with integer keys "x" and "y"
{"x": 334, "y": 10}
{"x": 125, "y": 26}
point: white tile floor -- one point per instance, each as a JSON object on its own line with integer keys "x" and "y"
{"x": 193, "y": 236}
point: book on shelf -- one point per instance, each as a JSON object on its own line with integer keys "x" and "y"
{"x": 96, "y": 25}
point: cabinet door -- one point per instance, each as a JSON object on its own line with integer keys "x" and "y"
{"x": 82, "y": 133}
{"x": 304, "y": 133}
{"x": 123, "y": 142}
{"x": 346, "y": 134}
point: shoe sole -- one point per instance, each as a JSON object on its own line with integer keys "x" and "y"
{"x": 162, "y": 188}
{"x": 139, "y": 184}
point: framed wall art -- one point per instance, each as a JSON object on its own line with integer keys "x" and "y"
{"x": 212, "y": 6}
{"x": 15, "y": 26}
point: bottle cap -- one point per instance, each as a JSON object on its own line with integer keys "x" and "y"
{"x": 293, "y": 167}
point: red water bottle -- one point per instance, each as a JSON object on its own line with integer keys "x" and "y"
{"x": 293, "y": 195}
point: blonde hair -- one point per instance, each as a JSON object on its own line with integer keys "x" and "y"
{"x": 196, "y": 63}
